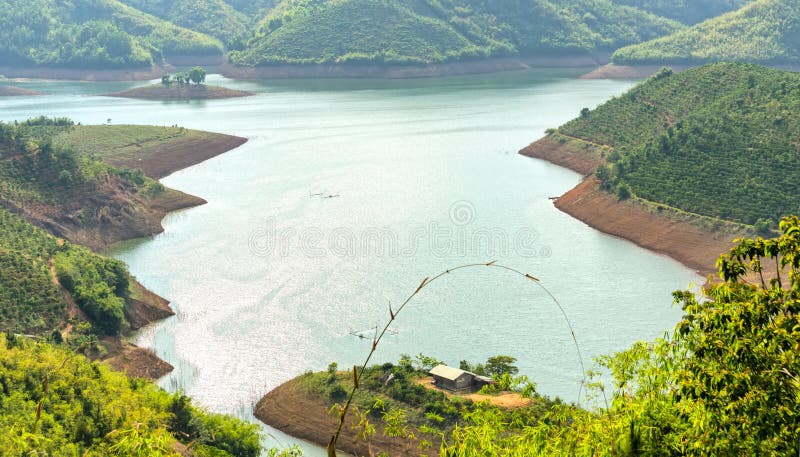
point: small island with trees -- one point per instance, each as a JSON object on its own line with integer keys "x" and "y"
{"x": 186, "y": 85}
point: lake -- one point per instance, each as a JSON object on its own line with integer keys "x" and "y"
{"x": 347, "y": 195}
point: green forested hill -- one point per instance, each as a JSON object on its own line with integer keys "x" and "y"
{"x": 686, "y": 11}
{"x": 719, "y": 140}
{"x": 35, "y": 269}
{"x": 39, "y": 180}
{"x": 53, "y": 401}
{"x": 429, "y": 31}
{"x": 252, "y": 8}
{"x": 766, "y": 31}
{"x": 212, "y": 17}
{"x": 91, "y": 34}
{"x": 56, "y": 403}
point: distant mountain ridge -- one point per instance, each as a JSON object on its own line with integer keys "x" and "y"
{"x": 765, "y": 31}
{"x": 686, "y": 11}
{"x": 212, "y": 17}
{"x": 434, "y": 31}
{"x": 144, "y": 34}
{"x": 92, "y": 34}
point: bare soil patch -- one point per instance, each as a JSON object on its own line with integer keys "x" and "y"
{"x": 164, "y": 159}
{"x": 684, "y": 239}
{"x": 507, "y": 400}
{"x": 612, "y": 71}
{"x": 181, "y": 92}
{"x": 133, "y": 360}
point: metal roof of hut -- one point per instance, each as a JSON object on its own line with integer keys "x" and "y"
{"x": 443, "y": 371}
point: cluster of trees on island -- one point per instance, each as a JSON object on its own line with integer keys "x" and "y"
{"x": 195, "y": 75}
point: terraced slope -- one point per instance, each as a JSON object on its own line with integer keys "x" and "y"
{"x": 718, "y": 140}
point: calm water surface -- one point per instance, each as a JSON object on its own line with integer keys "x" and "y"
{"x": 270, "y": 278}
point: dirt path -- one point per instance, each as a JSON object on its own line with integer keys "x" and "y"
{"x": 73, "y": 309}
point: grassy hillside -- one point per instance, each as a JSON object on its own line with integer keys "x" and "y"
{"x": 430, "y": 31}
{"x": 91, "y": 34}
{"x": 122, "y": 145}
{"x": 212, "y": 17}
{"x": 766, "y": 31}
{"x": 686, "y": 11}
{"x": 73, "y": 194}
{"x": 57, "y": 403}
{"x": 719, "y": 140}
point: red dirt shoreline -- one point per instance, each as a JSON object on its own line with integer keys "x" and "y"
{"x": 123, "y": 74}
{"x": 291, "y": 410}
{"x": 682, "y": 239}
{"x": 147, "y": 307}
{"x": 125, "y": 215}
{"x": 13, "y": 91}
{"x": 492, "y": 65}
{"x": 612, "y": 71}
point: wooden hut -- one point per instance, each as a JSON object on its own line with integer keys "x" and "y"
{"x": 456, "y": 379}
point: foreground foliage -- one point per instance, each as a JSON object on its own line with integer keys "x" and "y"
{"x": 719, "y": 140}
{"x": 56, "y": 403}
{"x": 395, "y": 400}
{"x": 725, "y": 382}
